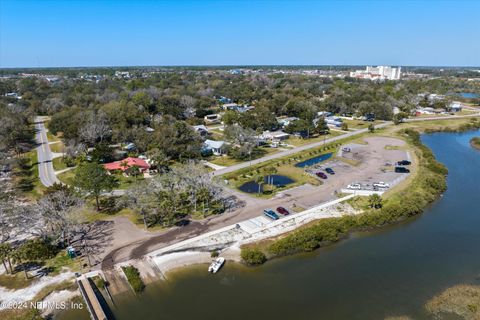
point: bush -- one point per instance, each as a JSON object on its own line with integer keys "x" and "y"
{"x": 253, "y": 257}
{"x": 214, "y": 254}
{"x": 133, "y": 277}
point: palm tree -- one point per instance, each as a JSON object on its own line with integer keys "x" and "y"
{"x": 271, "y": 171}
{"x": 259, "y": 179}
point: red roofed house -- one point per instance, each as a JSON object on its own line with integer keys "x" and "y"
{"x": 129, "y": 162}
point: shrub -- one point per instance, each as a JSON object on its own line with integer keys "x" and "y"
{"x": 253, "y": 257}
{"x": 214, "y": 254}
{"x": 133, "y": 277}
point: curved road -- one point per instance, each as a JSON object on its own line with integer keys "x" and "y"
{"x": 45, "y": 167}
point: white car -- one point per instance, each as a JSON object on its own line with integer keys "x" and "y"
{"x": 381, "y": 184}
{"x": 346, "y": 149}
{"x": 354, "y": 186}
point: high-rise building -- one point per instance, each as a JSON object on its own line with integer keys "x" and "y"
{"x": 377, "y": 73}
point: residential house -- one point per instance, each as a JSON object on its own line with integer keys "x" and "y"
{"x": 286, "y": 121}
{"x": 202, "y": 130}
{"x": 455, "y": 106}
{"x": 274, "y": 136}
{"x": 217, "y": 147}
{"x": 125, "y": 164}
{"x": 212, "y": 118}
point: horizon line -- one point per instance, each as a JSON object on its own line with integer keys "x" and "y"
{"x": 235, "y": 65}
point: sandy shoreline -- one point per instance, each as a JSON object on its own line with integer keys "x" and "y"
{"x": 177, "y": 260}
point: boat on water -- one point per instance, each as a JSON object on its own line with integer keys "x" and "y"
{"x": 216, "y": 265}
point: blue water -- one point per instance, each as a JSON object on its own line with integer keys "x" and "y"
{"x": 278, "y": 180}
{"x": 312, "y": 161}
{"x": 469, "y": 95}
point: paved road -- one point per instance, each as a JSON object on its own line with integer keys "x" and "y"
{"x": 45, "y": 167}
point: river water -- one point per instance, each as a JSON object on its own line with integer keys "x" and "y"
{"x": 371, "y": 275}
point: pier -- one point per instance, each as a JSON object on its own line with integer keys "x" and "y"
{"x": 93, "y": 303}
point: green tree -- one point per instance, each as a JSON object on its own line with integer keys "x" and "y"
{"x": 371, "y": 128}
{"x": 34, "y": 250}
{"x": 5, "y": 255}
{"x": 93, "y": 179}
{"x": 399, "y": 117}
{"x": 344, "y": 126}
{"x": 375, "y": 201}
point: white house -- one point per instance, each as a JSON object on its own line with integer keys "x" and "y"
{"x": 212, "y": 118}
{"x": 455, "y": 107}
{"x": 217, "y": 147}
{"x": 274, "y": 135}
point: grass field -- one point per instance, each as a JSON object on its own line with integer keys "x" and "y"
{"x": 67, "y": 177}
{"x": 296, "y": 141}
{"x": 57, "y": 147}
{"x": 360, "y": 124}
{"x": 58, "y": 164}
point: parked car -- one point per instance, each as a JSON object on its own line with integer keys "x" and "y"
{"x": 354, "y": 186}
{"x": 381, "y": 184}
{"x": 321, "y": 175}
{"x": 404, "y": 163}
{"x": 401, "y": 170}
{"x": 283, "y": 211}
{"x": 330, "y": 171}
{"x": 271, "y": 214}
{"x": 346, "y": 149}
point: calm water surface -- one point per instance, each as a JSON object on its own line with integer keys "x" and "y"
{"x": 369, "y": 276}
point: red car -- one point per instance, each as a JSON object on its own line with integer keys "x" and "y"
{"x": 283, "y": 211}
{"x": 321, "y": 175}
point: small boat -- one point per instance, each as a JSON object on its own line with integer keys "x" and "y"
{"x": 216, "y": 265}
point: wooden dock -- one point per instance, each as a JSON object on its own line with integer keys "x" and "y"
{"x": 93, "y": 304}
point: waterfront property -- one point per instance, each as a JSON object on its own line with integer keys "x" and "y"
{"x": 418, "y": 259}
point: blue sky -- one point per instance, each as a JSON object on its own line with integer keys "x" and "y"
{"x": 113, "y": 33}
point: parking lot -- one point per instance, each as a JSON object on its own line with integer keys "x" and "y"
{"x": 367, "y": 163}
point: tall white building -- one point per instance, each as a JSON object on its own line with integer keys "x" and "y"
{"x": 377, "y": 73}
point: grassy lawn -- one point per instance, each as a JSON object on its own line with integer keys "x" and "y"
{"x": 296, "y": 141}
{"x": 216, "y": 134}
{"x": 59, "y": 164}
{"x": 57, "y": 147}
{"x": 224, "y": 161}
{"x": 227, "y": 161}
{"x": 360, "y": 124}
{"x": 67, "y": 177}
{"x": 15, "y": 281}
{"x": 62, "y": 260}
{"x": 127, "y": 182}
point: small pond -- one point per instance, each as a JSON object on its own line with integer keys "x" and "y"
{"x": 278, "y": 180}
{"x": 312, "y": 161}
{"x": 469, "y": 95}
